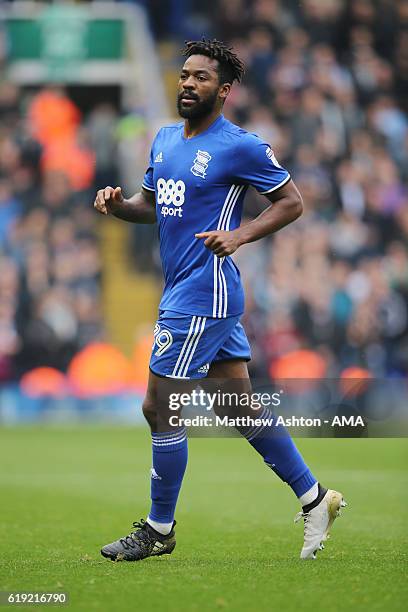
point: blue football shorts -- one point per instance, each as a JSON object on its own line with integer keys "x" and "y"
{"x": 185, "y": 345}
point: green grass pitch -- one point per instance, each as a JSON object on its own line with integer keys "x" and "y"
{"x": 66, "y": 492}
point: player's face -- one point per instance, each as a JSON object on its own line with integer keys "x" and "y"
{"x": 198, "y": 87}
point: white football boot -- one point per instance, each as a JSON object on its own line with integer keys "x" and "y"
{"x": 317, "y": 522}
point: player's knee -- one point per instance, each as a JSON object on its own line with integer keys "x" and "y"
{"x": 150, "y": 412}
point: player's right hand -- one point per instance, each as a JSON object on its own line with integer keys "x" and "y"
{"x": 107, "y": 200}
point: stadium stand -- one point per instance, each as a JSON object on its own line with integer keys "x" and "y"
{"x": 326, "y": 85}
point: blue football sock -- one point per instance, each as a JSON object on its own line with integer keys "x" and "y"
{"x": 280, "y": 454}
{"x": 169, "y": 464}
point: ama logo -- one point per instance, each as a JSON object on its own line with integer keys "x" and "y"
{"x": 200, "y": 164}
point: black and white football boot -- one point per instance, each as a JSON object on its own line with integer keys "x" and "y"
{"x": 143, "y": 542}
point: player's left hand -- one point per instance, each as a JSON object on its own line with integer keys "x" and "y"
{"x": 220, "y": 242}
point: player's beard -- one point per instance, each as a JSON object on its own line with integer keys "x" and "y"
{"x": 199, "y": 110}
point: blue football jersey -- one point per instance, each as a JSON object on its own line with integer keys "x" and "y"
{"x": 200, "y": 184}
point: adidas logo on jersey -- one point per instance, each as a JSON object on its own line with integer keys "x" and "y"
{"x": 271, "y": 155}
{"x": 158, "y": 158}
{"x": 204, "y": 369}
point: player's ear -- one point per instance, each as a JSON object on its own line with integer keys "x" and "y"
{"x": 224, "y": 91}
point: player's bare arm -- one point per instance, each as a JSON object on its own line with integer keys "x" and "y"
{"x": 140, "y": 208}
{"x": 286, "y": 207}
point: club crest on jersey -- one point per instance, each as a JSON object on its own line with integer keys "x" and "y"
{"x": 200, "y": 164}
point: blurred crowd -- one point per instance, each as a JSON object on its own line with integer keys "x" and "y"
{"x": 327, "y": 86}
{"x": 50, "y": 269}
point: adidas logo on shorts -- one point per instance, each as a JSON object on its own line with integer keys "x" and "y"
{"x": 204, "y": 369}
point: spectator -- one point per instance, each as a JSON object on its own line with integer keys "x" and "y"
{"x": 49, "y": 256}
{"x": 326, "y": 86}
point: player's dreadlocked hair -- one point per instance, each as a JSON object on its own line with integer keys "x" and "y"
{"x": 230, "y": 67}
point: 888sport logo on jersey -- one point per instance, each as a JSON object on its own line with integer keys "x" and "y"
{"x": 171, "y": 196}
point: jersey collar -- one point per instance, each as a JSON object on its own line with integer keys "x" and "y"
{"x": 210, "y": 128}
